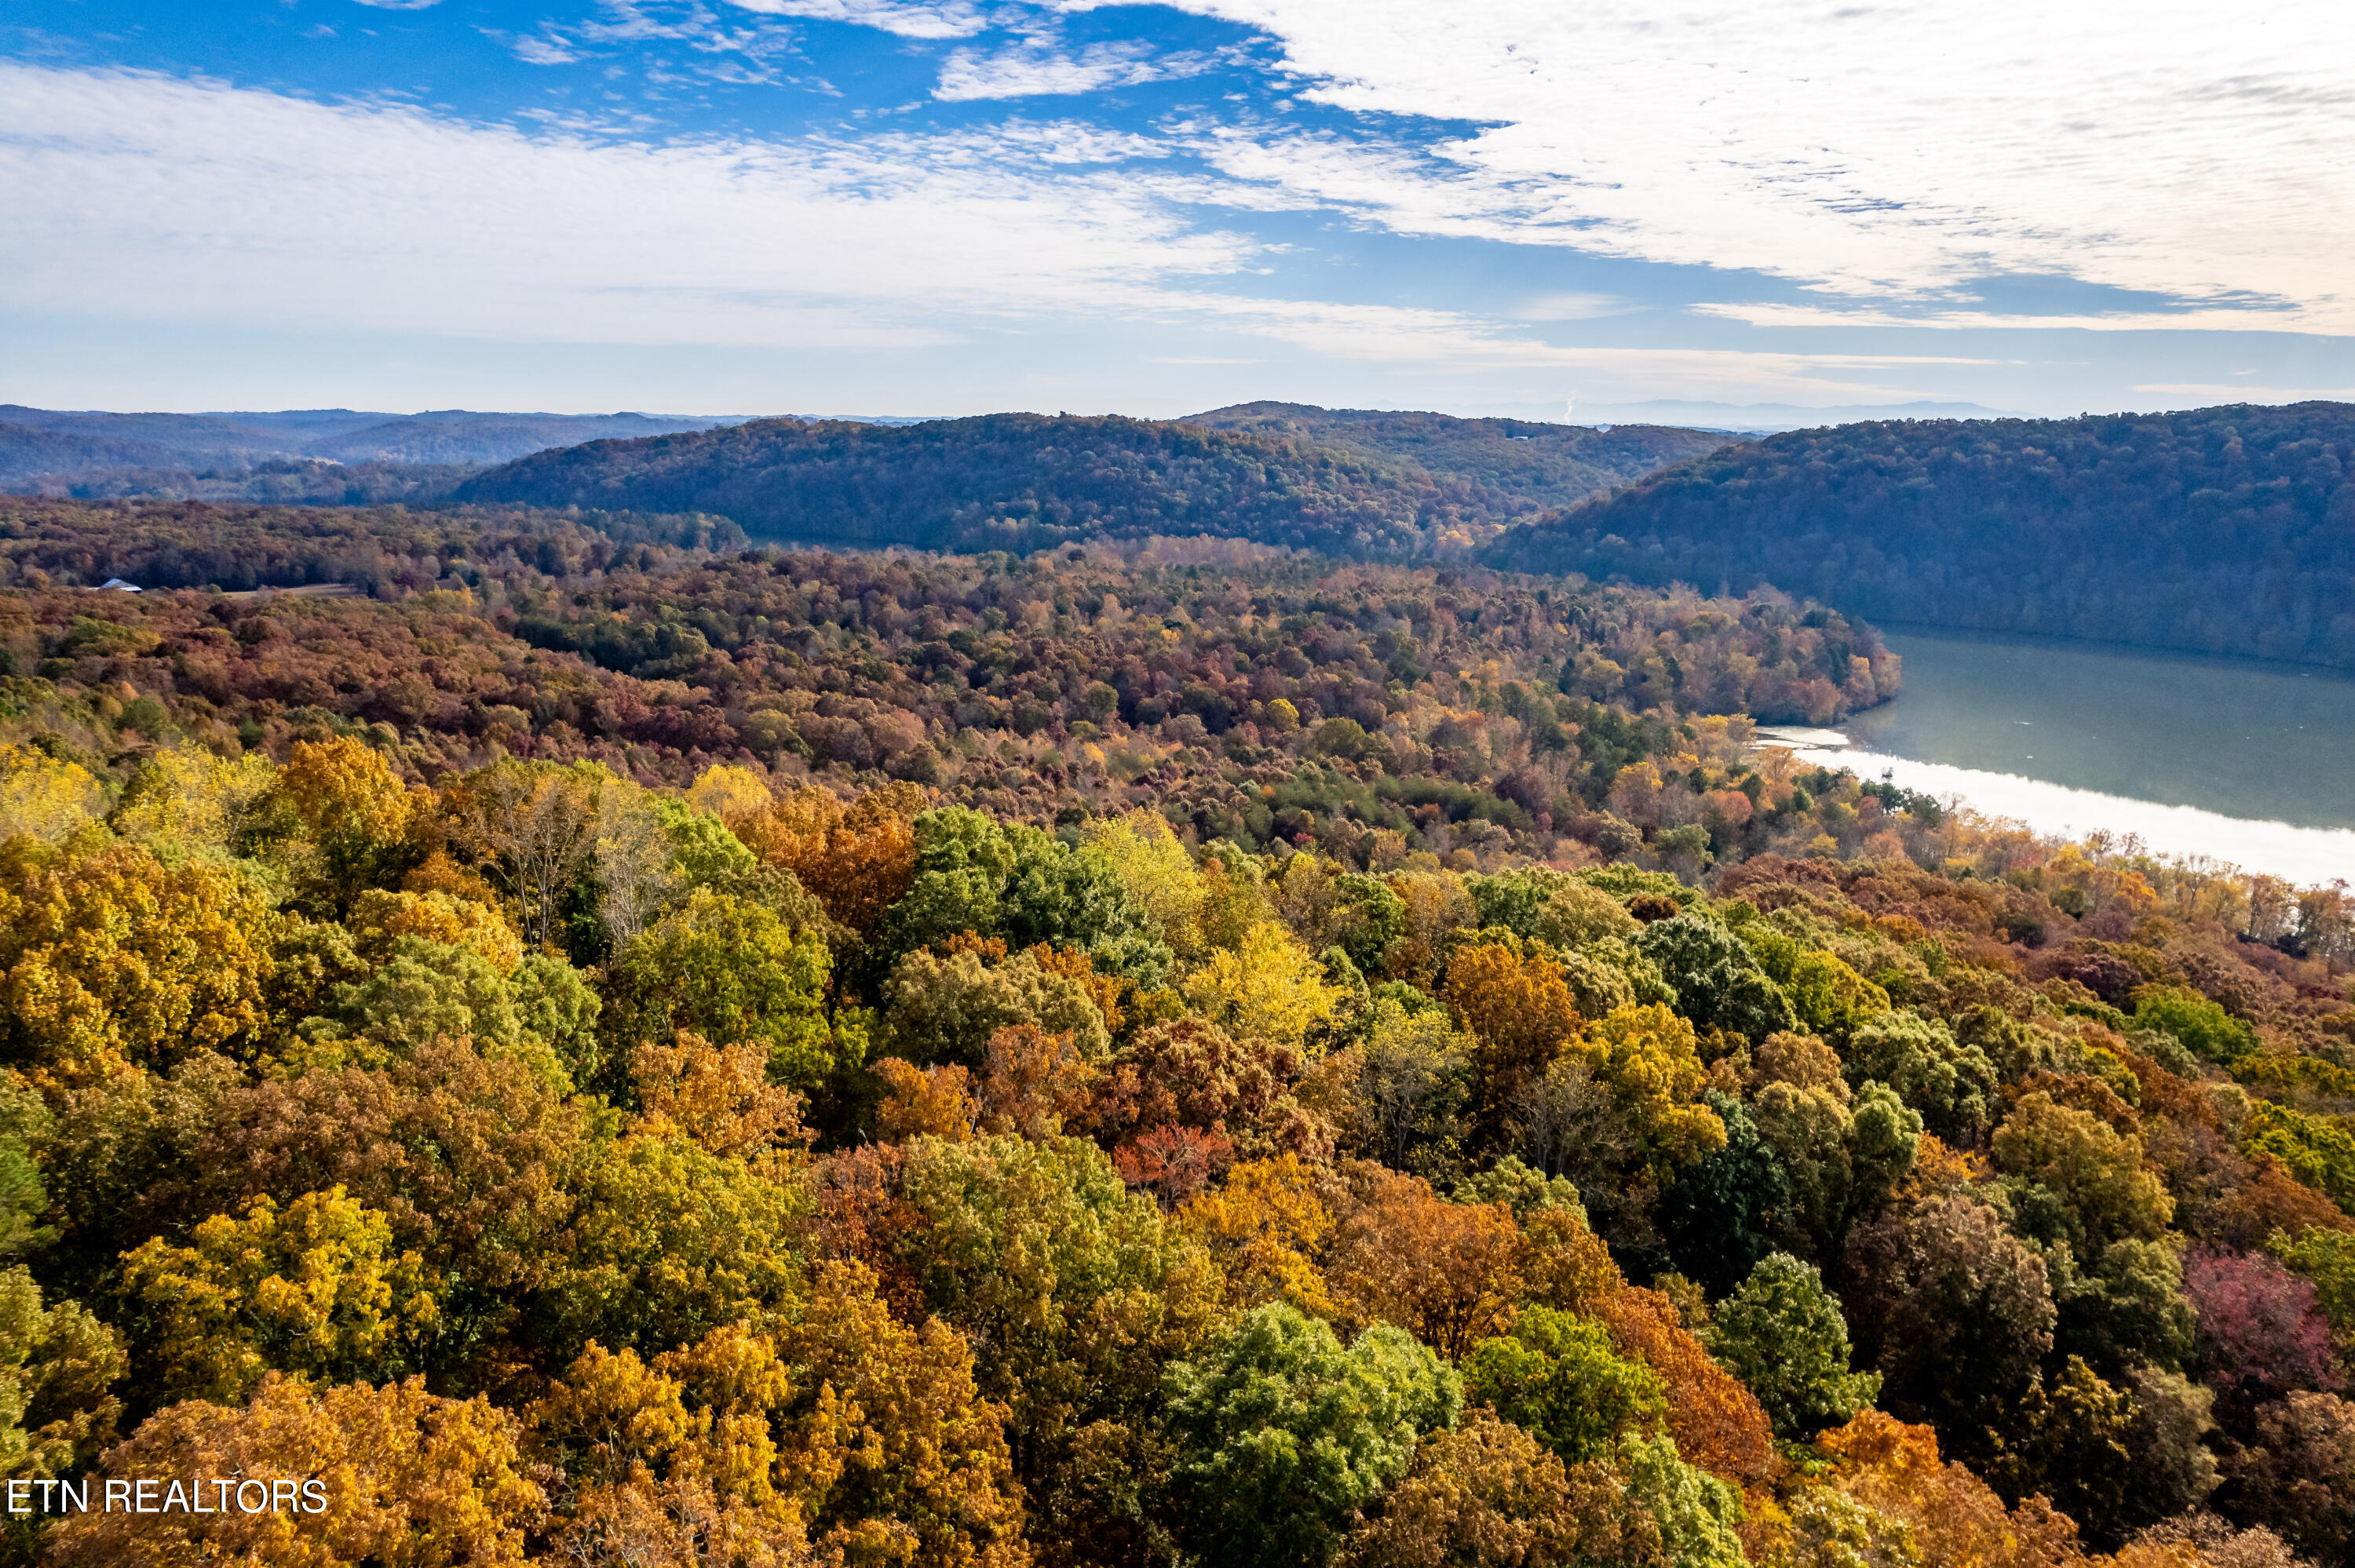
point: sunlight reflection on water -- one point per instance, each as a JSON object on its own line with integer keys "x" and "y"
{"x": 2306, "y": 855}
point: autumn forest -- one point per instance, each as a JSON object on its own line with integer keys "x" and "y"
{"x": 607, "y": 1040}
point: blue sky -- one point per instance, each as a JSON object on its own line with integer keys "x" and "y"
{"x": 953, "y": 206}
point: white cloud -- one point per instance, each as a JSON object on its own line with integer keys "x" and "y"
{"x": 1573, "y": 308}
{"x": 1037, "y": 68}
{"x": 2196, "y": 319}
{"x": 545, "y": 50}
{"x": 907, "y": 18}
{"x": 136, "y": 196}
{"x": 1896, "y": 150}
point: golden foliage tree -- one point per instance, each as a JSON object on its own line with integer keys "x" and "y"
{"x": 409, "y": 1480}
{"x": 717, "y": 1096}
{"x": 43, "y": 797}
{"x": 1158, "y": 874}
{"x": 1268, "y": 987}
{"x": 111, "y": 958}
{"x": 1649, "y": 1059}
{"x": 857, "y": 858}
{"x": 1518, "y": 1009}
{"x": 1449, "y": 1272}
{"x": 316, "y": 1290}
{"x": 1265, "y": 1224}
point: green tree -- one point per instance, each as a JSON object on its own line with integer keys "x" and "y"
{"x": 1696, "y": 1514}
{"x": 542, "y": 1012}
{"x": 2199, "y": 1025}
{"x": 1559, "y": 1378}
{"x": 732, "y": 971}
{"x": 946, "y": 1010}
{"x": 1952, "y": 1085}
{"x": 1783, "y": 1335}
{"x": 1719, "y": 1218}
{"x": 1283, "y": 1434}
{"x": 1073, "y": 1290}
{"x": 2072, "y": 1176}
{"x": 1717, "y": 983}
{"x": 997, "y": 879}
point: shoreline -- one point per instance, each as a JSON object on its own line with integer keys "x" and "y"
{"x": 2308, "y": 856}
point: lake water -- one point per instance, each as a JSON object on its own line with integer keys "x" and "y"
{"x": 2231, "y": 759}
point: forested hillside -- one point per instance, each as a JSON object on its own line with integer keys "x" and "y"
{"x": 1521, "y": 465}
{"x": 2226, "y": 530}
{"x": 1398, "y": 487}
{"x": 615, "y": 1051}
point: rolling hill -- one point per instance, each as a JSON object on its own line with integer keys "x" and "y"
{"x": 2224, "y": 530}
{"x": 1373, "y": 484}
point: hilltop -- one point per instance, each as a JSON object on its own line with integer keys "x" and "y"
{"x": 2226, "y": 530}
{"x": 1520, "y": 464}
{"x": 1350, "y": 483}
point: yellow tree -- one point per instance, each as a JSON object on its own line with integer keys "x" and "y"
{"x": 1269, "y": 987}
{"x": 316, "y": 1291}
{"x": 1648, "y": 1058}
{"x": 1518, "y": 1009}
{"x": 403, "y": 1479}
{"x": 380, "y": 918}
{"x": 109, "y": 958}
{"x": 841, "y": 1423}
{"x": 1266, "y": 1225}
{"x": 353, "y": 812}
{"x": 186, "y": 799}
{"x": 727, "y": 790}
{"x": 43, "y": 797}
{"x": 1158, "y": 874}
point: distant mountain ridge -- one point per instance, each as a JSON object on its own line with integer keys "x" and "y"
{"x": 2223, "y": 530}
{"x": 247, "y": 455}
{"x": 1756, "y": 418}
{"x": 1347, "y": 481}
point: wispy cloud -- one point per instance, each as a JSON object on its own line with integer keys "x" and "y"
{"x": 546, "y": 49}
{"x": 907, "y": 18}
{"x": 198, "y": 202}
{"x": 1038, "y": 68}
{"x": 1573, "y": 307}
{"x": 1890, "y": 151}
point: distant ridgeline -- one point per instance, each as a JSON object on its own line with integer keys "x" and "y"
{"x": 2228, "y": 530}
{"x": 306, "y": 456}
{"x": 1347, "y": 483}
